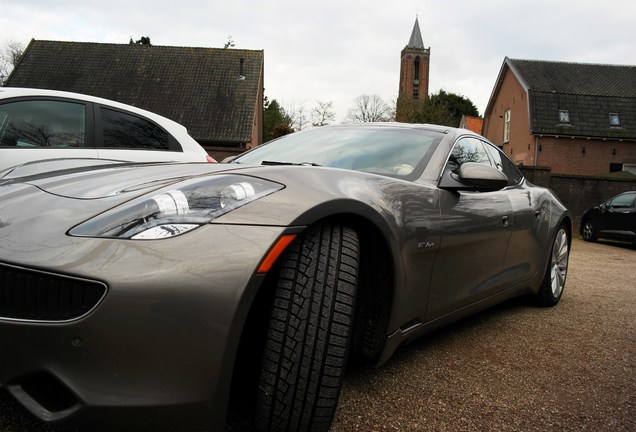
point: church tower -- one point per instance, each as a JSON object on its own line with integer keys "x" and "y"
{"x": 414, "y": 67}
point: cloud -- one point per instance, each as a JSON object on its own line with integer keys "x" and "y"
{"x": 337, "y": 51}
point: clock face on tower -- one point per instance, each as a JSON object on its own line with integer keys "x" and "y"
{"x": 416, "y": 82}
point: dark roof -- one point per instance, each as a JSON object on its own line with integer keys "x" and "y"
{"x": 200, "y": 88}
{"x": 576, "y": 78}
{"x": 589, "y": 92}
{"x": 416, "y": 37}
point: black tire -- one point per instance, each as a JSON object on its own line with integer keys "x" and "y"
{"x": 553, "y": 282}
{"x": 588, "y": 231}
{"x": 309, "y": 331}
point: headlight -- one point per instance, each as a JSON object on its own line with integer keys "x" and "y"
{"x": 176, "y": 210}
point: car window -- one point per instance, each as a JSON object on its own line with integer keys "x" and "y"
{"x": 397, "y": 152}
{"x": 503, "y": 164}
{"x": 622, "y": 201}
{"x": 467, "y": 150}
{"x": 125, "y": 131}
{"x": 42, "y": 123}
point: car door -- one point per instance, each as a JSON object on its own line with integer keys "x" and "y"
{"x": 528, "y": 224}
{"x": 475, "y": 235}
{"x": 618, "y": 216}
{"x": 44, "y": 128}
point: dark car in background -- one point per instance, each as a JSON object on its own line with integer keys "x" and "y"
{"x": 158, "y": 296}
{"x": 615, "y": 219}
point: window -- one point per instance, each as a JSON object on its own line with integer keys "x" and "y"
{"x": 395, "y": 152}
{"x": 564, "y": 116}
{"x": 42, "y": 123}
{"x": 506, "y": 136}
{"x": 416, "y": 71}
{"x": 622, "y": 201}
{"x": 503, "y": 164}
{"x": 614, "y": 119}
{"x": 125, "y": 131}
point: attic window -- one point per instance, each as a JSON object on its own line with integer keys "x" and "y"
{"x": 564, "y": 116}
{"x": 614, "y": 119}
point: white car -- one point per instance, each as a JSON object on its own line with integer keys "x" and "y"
{"x": 38, "y": 124}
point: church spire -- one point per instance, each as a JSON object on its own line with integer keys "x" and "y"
{"x": 414, "y": 70}
{"x": 416, "y": 37}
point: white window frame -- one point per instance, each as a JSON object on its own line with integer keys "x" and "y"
{"x": 506, "y": 131}
{"x": 564, "y": 116}
{"x": 614, "y": 119}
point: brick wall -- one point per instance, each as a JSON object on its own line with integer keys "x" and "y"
{"x": 511, "y": 96}
{"x": 583, "y": 156}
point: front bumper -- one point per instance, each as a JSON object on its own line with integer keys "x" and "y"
{"x": 158, "y": 350}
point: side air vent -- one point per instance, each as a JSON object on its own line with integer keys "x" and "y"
{"x": 39, "y": 296}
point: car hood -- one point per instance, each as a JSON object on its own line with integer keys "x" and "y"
{"x": 127, "y": 180}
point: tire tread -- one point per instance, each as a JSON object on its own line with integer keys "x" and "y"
{"x": 309, "y": 331}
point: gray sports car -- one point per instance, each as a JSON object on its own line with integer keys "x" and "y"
{"x": 169, "y": 296}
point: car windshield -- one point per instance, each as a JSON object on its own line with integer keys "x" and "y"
{"x": 399, "y": 152}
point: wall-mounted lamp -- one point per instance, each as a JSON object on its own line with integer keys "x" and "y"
{"x": 614, "y": 152}
{"x": 540, "y": 147}
{"x": 583, "y": 149}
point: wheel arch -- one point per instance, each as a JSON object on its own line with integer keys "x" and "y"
{"x": 374, "y": 301}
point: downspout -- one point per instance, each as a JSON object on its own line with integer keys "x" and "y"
{"x": 536, "y": 150}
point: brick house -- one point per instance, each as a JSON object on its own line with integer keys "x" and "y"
{"x": 574, "y": 118}
{"x": 217, "y": 94}
{"x": 472, "y": 123}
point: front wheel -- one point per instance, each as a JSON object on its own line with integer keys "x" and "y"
{"x": 554, "y": 280}
{"x": 309, "y": 331}
{"x": 589, "y": 231}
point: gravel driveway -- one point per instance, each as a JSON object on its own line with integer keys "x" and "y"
{"x": 517, "y": 367}
{"x": 512, "y": 368}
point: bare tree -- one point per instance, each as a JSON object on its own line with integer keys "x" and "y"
{"x": 369, "y": 109}
{"x": 295, "y": 111}
{"x": 322, "y": 114}
{"x": 9, "y": 57}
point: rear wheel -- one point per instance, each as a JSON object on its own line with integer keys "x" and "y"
{"x": 554, "y": 280}
{"x": 309, "y": 331}
{"x": 589, "y": 231}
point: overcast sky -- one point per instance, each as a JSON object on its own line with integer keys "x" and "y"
{"x": 338, "y": 50}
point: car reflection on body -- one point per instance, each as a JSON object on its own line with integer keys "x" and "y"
{"x": 162, "y": 295}
{"x": 615, "y": 219}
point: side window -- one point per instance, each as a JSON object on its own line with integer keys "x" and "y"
{"x": 126, "y": 131}
{"x": 622, "y": 201}
{"x": 42, "y": 123}
{"x": 467, "y": 150}
{"x": 503, "y": 164}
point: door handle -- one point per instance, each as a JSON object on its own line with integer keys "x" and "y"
{"x": 504, "y": 221}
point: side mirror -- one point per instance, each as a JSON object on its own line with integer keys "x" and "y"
{"x": 471, "y": 175}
